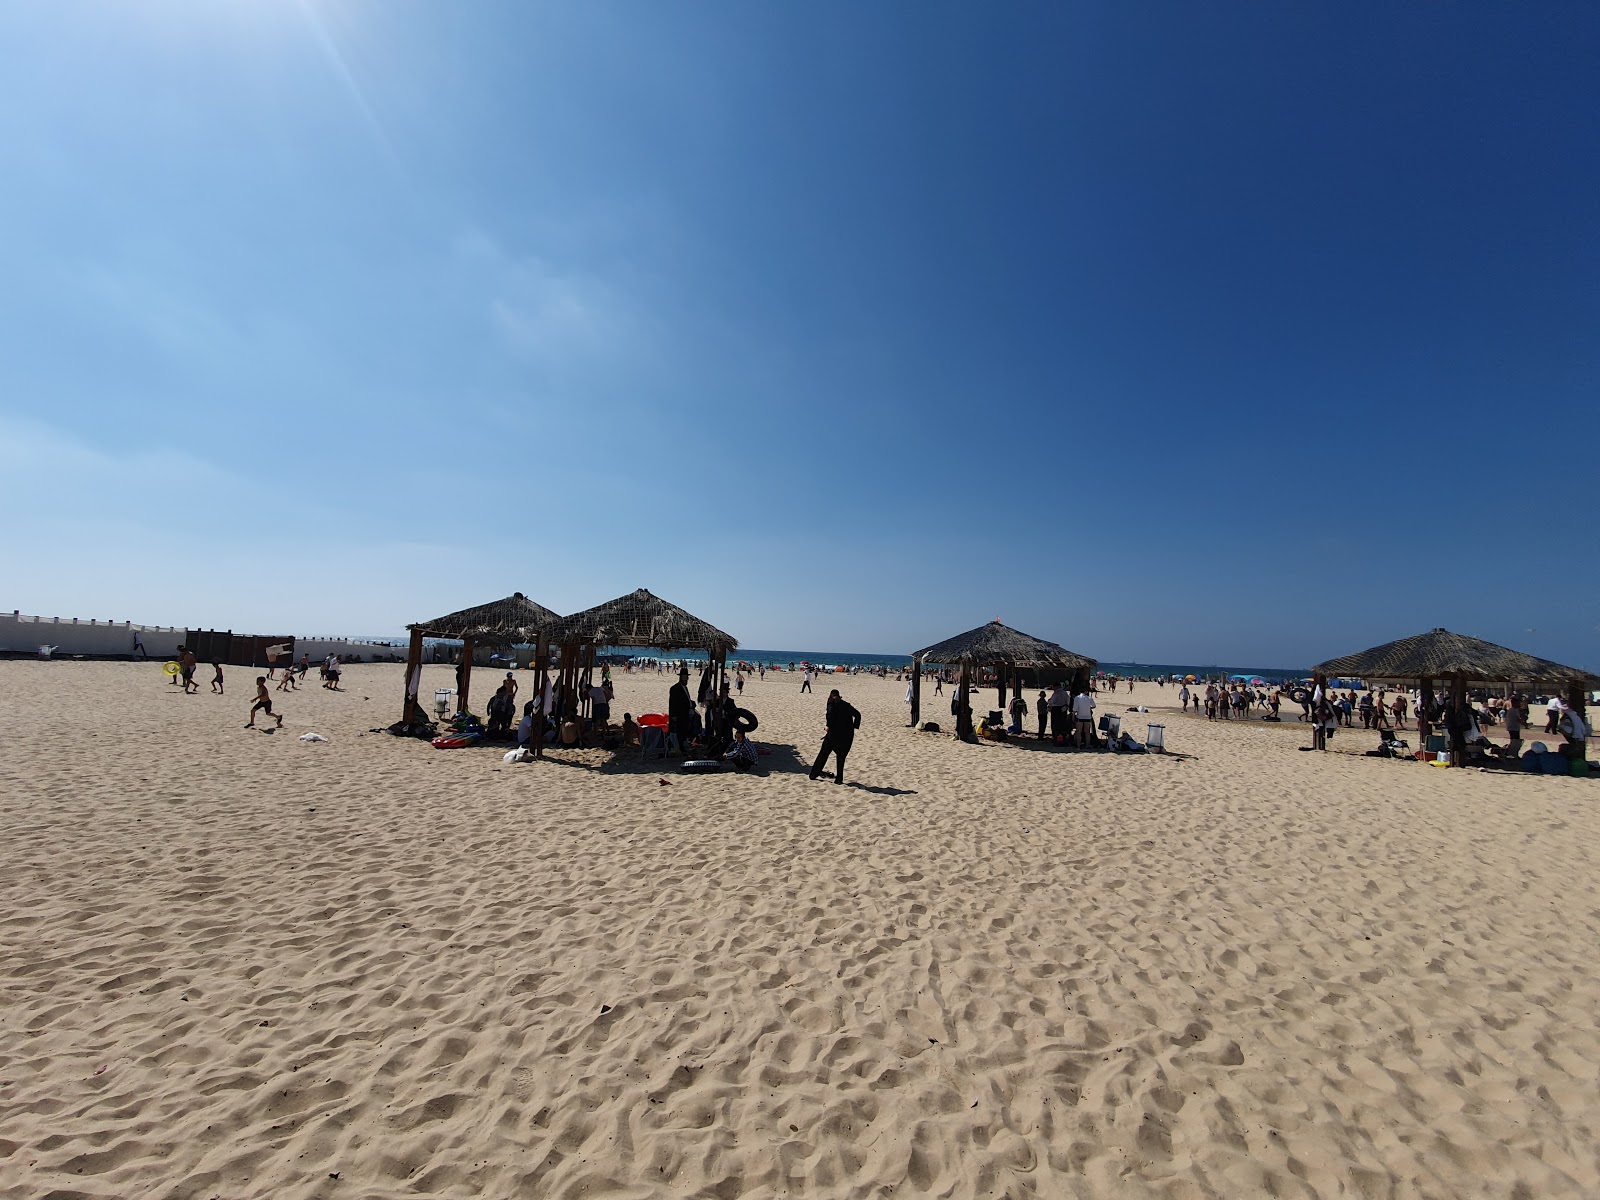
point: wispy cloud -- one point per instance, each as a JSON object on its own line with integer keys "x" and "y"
{"x": 566, "y": 319}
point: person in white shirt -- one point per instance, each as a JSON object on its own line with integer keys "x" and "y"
{"x": 1553, "y": 709}
{"x": 1083, "y": 709}
{"x": 805, "y": 680}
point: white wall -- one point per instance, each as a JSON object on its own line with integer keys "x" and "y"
{"x": 20, "y": 632}
{"x": 320, "y": 648}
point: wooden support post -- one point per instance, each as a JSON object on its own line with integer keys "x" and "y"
{"x": 1458, "y": 693}
{"x": 411, "y": 711}
{"x": 465, "y": 690}
{"x": 1000, "y": 679}
{"x": 541, "y": 681}
{"x": 916, "y": 692}
{"x": 585, "y": 683}
{"x": 963, "y": 707}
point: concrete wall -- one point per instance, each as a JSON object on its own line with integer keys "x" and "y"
{"x": 22, "y": 633}
{"x": 320, "y": 648}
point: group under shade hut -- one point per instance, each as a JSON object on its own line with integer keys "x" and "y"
{"x": 1010, "y": 653}
{"x": 638, "y": 620}
{"x": 513, "y": 621}
{"x": 1440, "y": 656}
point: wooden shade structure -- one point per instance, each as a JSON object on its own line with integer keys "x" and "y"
{"x": 1440, "y": 655}
{"x": 514, "y": 621}
{"x": 1009, "y": 651}
{"x": 638, "y": 619}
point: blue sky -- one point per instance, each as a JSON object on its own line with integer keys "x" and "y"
{"x": 1253, "y": 332}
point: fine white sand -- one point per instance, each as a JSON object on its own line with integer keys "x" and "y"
{"x": 237, "y": 965}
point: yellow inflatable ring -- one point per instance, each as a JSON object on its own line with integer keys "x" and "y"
{"x": 171, "y": 668}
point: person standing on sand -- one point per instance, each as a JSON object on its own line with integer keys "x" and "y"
{"x": 805, "y": 680}
{"x": 1183, "y": 697}
{"x": 680, "y": 711}
{"x": 186, "y": 665}
{"x": 841, "y": 722}
{"x": 1552, "y": 713}
{"x": 1083, "y": 711}
{"x": 1041, "y": 712}
{"x": 138, "y": 645}
{"x": 938, "y": 684}
{"x": 216, "y": 680}
{"x": 263, "y": 704}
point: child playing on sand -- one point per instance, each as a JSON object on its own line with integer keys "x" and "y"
{"x": 630, "y": 730}
{"x": 287, "y": 683}
{"x": 263, "y": 704}
{"x": 742, "y": 753}
{"x": 216, "y": 680}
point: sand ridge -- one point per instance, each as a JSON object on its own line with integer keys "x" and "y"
{"x": 368, "y": 968}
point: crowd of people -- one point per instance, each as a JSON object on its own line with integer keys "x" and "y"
{"x": 293, "y": 674}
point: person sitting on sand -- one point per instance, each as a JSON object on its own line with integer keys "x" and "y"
{"x": 216, "y": 679}
{"x": 1019, "y": 710}
{"x": 630, "y": 730}
{"x": 501, "y": 709}
{"x": 571, "y": 732}
{"x": 525, "y": 726}
{"x": 263, "y": 704}
{"x": 1575, "y": 729}
{"x": 742, "y": 753}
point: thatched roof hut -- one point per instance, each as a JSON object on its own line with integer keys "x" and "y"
{"x": 1440, "y": 654}
{"x": 644, "y": 620}
{"x": 514, "y": 621}
{"x": 1009, "y": 651}
{"x": 995, "y": 644}
{"x": 1460, "y": 660}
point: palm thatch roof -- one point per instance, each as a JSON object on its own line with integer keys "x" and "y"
{"x": 641, "y": 619}
{"x": 514, "y": 621}
{"x": 1440, "y": 654}
{"x": 995, "y": 644}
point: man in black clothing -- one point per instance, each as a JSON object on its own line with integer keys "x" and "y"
{"x": 843, "y": 720}
{"x": 680, "y": 711}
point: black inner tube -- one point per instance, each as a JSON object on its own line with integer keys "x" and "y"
{"x": 1300, "y": 695}
{"x": 744, "y": 719}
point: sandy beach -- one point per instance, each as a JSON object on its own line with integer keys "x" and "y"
{"x": 233, "y": 964}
